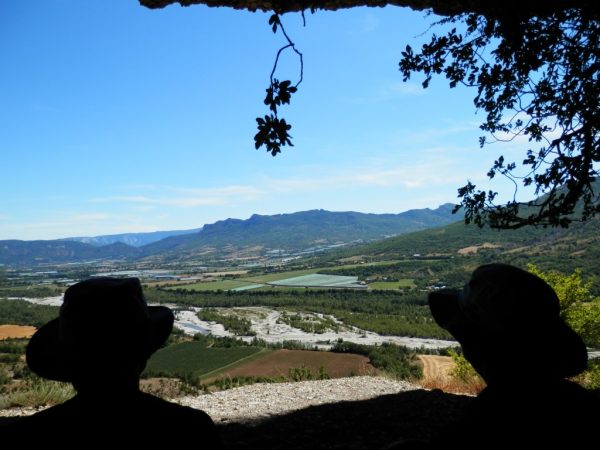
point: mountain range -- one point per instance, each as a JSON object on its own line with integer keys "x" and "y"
{"x": 133, "y": 239}
{"x": 283, "y": 232}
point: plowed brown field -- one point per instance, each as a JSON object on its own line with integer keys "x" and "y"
{"x": 279, "y": 362}
{"x": 16, "y": 331}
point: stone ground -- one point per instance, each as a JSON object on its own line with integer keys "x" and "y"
{"x": 357, "y": 413}
{"x": 364, "y": 424}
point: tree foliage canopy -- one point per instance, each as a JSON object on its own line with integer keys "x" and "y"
{"x": 536, "y": 77}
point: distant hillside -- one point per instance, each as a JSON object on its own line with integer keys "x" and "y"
{"x": 302, "y": 230}
{"x": 288, "y": 232}
{"x": 552, "y": 248}
{"x": 14, "y": 252}
{"x": 133, "y": 239}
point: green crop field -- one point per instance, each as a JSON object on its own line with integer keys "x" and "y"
{"x": 258, "y": 281}
{"x": 266, "y": 278}
{"x": 400, "y": 284}
{"x": 367, "y": 264}
{"x": 318, "y": 280}
{"x": 223, "y": 285}
{"x": 194, "y": 358}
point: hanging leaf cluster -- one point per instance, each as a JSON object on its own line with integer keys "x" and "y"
{"x": 273, "y": 132}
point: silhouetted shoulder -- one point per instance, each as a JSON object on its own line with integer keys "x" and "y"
{"x": 144, "y": 419}
{"x": 558, "y": 414}
{"x": 157, "y": 410}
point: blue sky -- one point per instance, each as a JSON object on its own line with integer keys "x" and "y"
{"x": 115, "y": 118}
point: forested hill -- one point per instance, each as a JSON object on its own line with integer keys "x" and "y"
{"x": 553, "y": 248}
{"x": 305, "y": 229}
{"x": 296, "y": 231}
{"x": 577, "y": 246}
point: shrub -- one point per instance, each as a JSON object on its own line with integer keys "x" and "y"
{"x": 590, "y": 379}
{"x": 463, "y": 370}
{"x": 38, "y": 392}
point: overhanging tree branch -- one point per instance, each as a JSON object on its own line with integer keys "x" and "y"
{"x": 539, "y": 77}
{"x": 273, "y": 132}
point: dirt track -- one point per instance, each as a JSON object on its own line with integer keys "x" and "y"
{"x": 16, "y": 331}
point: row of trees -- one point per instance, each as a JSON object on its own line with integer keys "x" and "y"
{"x": 21, "y": 312}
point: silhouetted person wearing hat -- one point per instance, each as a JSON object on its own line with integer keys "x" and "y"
{"x": 100, "y": 343}
{"x": 508, "y": 323}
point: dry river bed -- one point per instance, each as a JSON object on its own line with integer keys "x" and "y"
{"x": 267, "y": 326}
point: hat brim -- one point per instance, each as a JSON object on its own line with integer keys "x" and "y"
{"x": 562, "y": 350}
{"x": 48, "y": 357}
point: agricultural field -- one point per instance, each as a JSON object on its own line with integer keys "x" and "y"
{"x": 405, "y": 283}
{"x": 195, "y": 359}
{"x": 435, "y": 366}
{"x": 319, "y": 280}
{"x": 341, "y": 276}
{"x": 16, "y": 331}
{"x": 284, "y": 280}
{"x": 438, "y": 374}
{"x": 270, "y": 277}
{"x": 278, "y": 363}
{"x": 216, "y": 285}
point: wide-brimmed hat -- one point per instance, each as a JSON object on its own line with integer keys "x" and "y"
{"x": 505, "y": 304}
{"x": 100, "y": 320}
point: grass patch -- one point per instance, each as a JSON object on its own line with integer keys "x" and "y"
{"x": 38, "y": 392}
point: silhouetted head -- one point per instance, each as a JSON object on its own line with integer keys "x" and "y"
{"x": 508, "y": 320}
{"x": 104, "y": 329}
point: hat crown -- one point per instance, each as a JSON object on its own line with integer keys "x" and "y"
{"x": 104, "y": 316}
{"x": 101, "y": 319}
{"x": 104, "y": 302}
{"x": 503, "y": 296}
